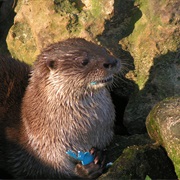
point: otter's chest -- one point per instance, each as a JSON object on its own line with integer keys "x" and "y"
{"x": 92, "y": 122}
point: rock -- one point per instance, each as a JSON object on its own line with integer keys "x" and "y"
{"x": 138, "y": 162}
{"x": 6, "y": 21}
{"x": 163, "y": 82}
{"x": 154, "y": 46}
{"x": 135, "y": 157}
{"x": 121, "y": 25}
{"x": 40, "y": 23}
{"x": 163, "y": 125}
{"x": 120, "y": 143}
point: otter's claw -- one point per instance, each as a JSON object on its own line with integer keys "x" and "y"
{"x": 88, "y": 171}
{"x": 94, "y": 169}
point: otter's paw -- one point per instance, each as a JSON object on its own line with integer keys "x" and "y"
{"x": 88, "y": 171}
{"x": 94, "y": 169}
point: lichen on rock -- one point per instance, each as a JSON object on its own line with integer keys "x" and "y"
{"x": 154, "y": 45}
{"x": 40, "y": 23}
{"x": 136, "y": 162}
{"x": 163, "y": 125}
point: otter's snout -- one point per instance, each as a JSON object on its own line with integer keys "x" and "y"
{"x": 110, "y": 63}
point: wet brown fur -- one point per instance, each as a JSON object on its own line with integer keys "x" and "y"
{"x": 13, "y": 81}
{"x": 61, "y": 109}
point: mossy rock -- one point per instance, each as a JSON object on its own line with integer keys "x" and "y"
{"x": 134, "y": 157}
{"x": 138, "y": 162}
{"x": 163, "y": 125}
{"x": 40, "y": 23}
{"x": 154, "y": 44}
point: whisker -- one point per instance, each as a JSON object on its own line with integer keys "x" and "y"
{"x": 123, "y": 73}
{"x": 127, "y": 66}
{"x": 118, "y": 79}
{"x": 115, "y": 85}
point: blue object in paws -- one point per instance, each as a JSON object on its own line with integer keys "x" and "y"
{"x": 84, "y": 157}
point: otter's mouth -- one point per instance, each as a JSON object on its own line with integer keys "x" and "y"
{"x": 102, "y": 81}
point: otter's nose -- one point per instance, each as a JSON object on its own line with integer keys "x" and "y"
{"x": 110, "y": 63}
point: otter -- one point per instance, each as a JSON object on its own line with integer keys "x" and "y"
{"x": 14, "y": 77}
{"x": 66, "y": 106}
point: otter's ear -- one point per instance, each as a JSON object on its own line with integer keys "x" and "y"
{"x": 51, "y": 64}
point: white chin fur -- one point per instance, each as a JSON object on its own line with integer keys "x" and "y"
{"x": 97, "y": 86}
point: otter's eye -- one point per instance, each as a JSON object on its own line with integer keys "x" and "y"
{"x": 85, "y": 62}
{"x": 51, "y": 64}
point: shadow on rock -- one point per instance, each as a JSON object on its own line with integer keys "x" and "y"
{"x": 163, "y": 82}
{"x": 6, "y": 21}
{"x": 121, "y": 25}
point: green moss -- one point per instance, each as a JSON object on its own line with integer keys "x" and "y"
{"x": 63, "y": 7}
{"x": 19, "y": 31}
{"x": 141, "y": 81}
{"x": 96, "y": 8}
{"x": 77, "y": 4}
{"x": 152, "y": 126}
{"x": 23, "y": 42}
{"x": 72, "y": 10}
{"x": 175, "y": 156}
{"x": 150, "y": 36}
{"x": 129, "y": 153}
{"x": 147, "y": 178}
{"x": 147, "y": 7}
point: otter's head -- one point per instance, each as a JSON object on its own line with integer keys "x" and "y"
{"x": 77, "y": 63}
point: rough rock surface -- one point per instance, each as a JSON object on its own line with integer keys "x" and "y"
{"x": 39, "y": 23}
{"x": 163, "y": 82}
{"x": 154, "y": 45}
{"x": 163, "y": 125}
{"x": 120, "y": 143}
{"x": 6, "y": 21}
{"x": 135, "y": 157}
{"x": 138, "y": 162}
